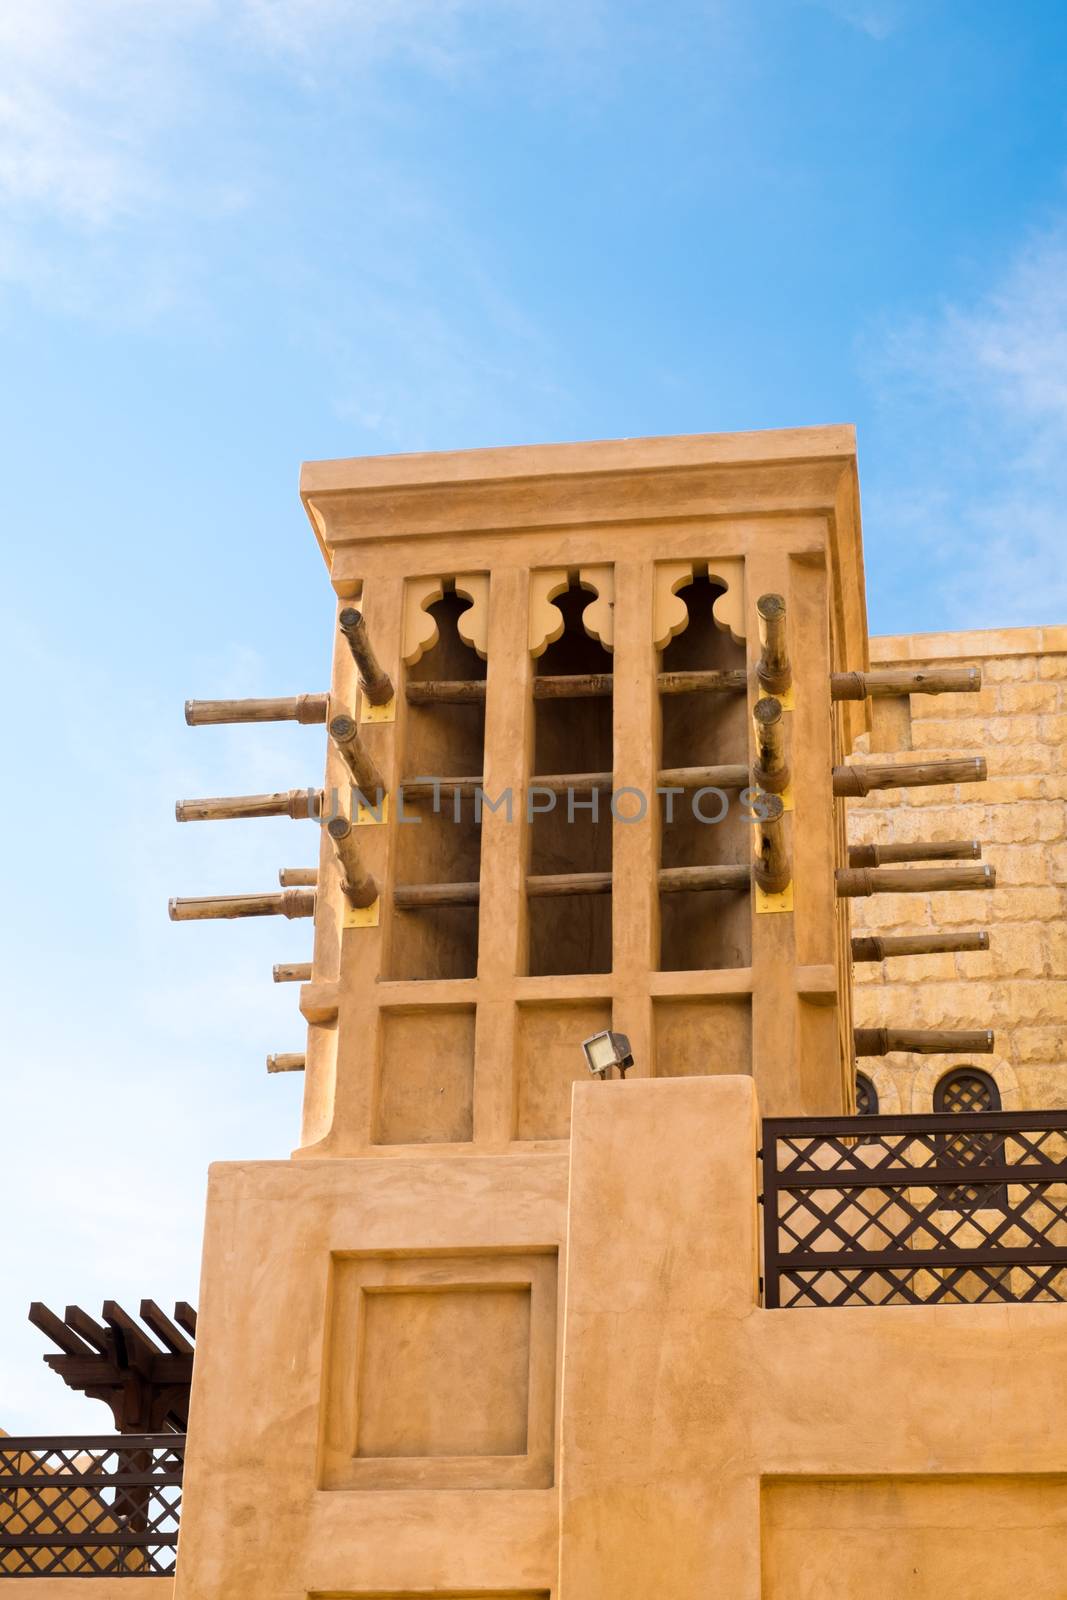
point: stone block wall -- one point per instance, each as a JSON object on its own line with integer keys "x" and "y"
{"x": 1019, "y": 987}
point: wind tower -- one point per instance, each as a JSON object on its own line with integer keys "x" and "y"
{"x": 586, "y": 755}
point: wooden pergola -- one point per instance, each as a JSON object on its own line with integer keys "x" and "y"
{"x": 144, "y": 1376}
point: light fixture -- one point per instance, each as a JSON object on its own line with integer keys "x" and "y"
{"x": 606, "y": 1050}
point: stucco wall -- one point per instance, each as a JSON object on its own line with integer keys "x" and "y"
{"x": 1019, "y": 987}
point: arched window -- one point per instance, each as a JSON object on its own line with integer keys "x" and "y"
{"x": 966, "y": 1089}
{"x": 961, "y": 1091}
{"x": 866, "y": 1096}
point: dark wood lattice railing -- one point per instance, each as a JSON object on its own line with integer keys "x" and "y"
{"x": 90, "y": 1507}
{"x": 915, "y": 1210}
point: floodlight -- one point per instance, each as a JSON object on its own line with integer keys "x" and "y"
{"x": 606, "y": 1050}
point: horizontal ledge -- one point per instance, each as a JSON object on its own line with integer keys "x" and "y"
{"x": 320, "y": 1002}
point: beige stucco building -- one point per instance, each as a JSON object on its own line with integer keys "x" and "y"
{"x": 502, "y": 1330}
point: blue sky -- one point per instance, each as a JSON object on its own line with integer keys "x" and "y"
{"x": 238, "y": 233}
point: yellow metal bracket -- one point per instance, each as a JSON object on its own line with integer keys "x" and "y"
{"x": 370, "y": 816}
{"x": 788, "y": 700}
{"x": 773, "y": 902}
{"x": 362, "y": 916}
{"x": 385, "y": 713}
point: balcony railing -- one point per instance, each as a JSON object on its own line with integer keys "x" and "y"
{"x": 915, "y": 1210}
{"x": 90, "y": 1507}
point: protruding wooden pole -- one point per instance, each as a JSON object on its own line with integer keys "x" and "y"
{"x": 861, "y": 780}
{"x": 924, "y": 1041}
{"x": 879, "y": 947}
{"x": 774, "y": 672}
{"x": 374, "y": 680}
{"x": 306, "y": 708}
{"x": 293, "y": 1062}
{"x": 290, "y": 903}
{"x": 771, "y": 869}
{"x": 943, "y": 680}
{"x": 344, "y": 732}
{"x": 292, "y": 972}
{"x": 357, "y": 886}
{"x": 771, "y": 771}
{"x": 296, "y": 803}
{"x": 884, "y": 855}
{"x": 855, "y": 882}
{"x": 298, "y": 877}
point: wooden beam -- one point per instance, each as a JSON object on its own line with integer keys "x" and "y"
{"x": 375, "y": 682}
{"x": 574, "y": 686}
{"x": 894, "y": 681}
{"x": 771, "y": 870}
{"x": 735, "y": 776}
{"x": 773, "y": 671}
{"x": 861, "y": 780}
{"x": 167, "y": 1332}
{"x": 185, "y": 1317}
{"x": 90, "y": 1330}
{"x": 671, "y": 880}
{"x": 292, "y": 972}
{"x": 924, "y": 1041}
{"x": 292, "y": 1062}
{"x": 771, "y": 771}
{"x": 344, "y": 731}
{"x": 357, "y": 884}
{"x": 56, "y": 1329}
{"x": 211, "y": 908}
{"x": 884, "y": 855}
{"x": 139, "y": 1349}
{"x": 306, "y": 708}
{"x": 855, "y": 882}
{"x": 880, "y": 947}
{"x": 296, "y": 803}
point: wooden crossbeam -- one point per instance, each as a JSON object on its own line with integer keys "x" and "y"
{"x": 166, "y": 1331}
{"x": 185, "y": 1317}
{"x": 145, "y": 1384}
{"x": 54, "y": 1328}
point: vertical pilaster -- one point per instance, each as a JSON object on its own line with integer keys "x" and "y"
{"x": 502, "y": 911}
{"x": 635, "y": 835}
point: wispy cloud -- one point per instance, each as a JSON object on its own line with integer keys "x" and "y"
{"x": 975, "y": 399}
{"x": 876, "y": 18}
